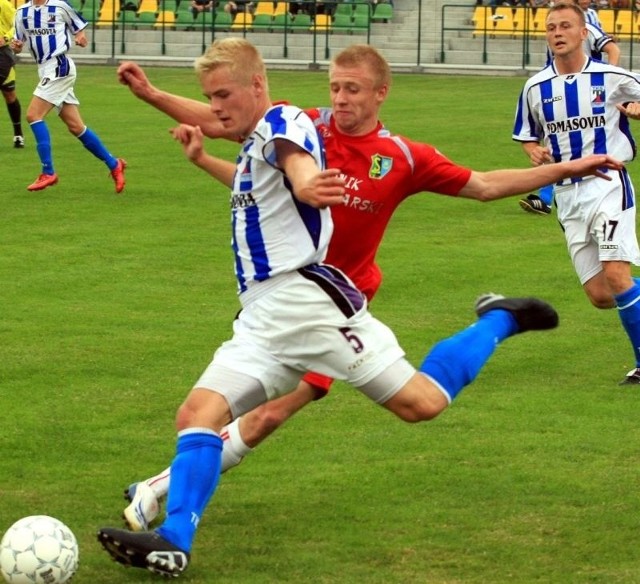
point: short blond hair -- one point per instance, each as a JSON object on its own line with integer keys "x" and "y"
{"x": 357, "y": 55}
{"x": 569, "y": 6}
{"x": 241, "y": 57}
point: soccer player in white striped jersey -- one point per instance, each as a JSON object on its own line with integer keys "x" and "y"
{"x": 597, "y": 44}
{"x": 47, "y": 28}
{"x": 299, "y": 314}
{"x": 574, "y": 107}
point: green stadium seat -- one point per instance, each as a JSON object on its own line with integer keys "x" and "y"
{"x": 301, "y": 22}
{"x": 382, "y": 13}
{"x": 262, "y": 21}
{"x": 146, "y": 19}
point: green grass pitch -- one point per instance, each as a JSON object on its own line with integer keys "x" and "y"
{"x": 111, "y": 306}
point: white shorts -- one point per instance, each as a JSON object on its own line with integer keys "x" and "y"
{"x": 57, "y": 80}
{"x": 302, "y": 325}
{"x": 599, "y": 222}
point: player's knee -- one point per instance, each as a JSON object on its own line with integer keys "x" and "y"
{"x": 601, "y": 299}
{"x": 417, "y": 409}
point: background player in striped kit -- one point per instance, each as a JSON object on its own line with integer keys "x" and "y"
{"x": 47, "y": 26}
{"x": 360, "y": 80}
{"x": 290, "y": 320}
{"x": 8, "y": 72}
{"x": 597, "y": 44}
{"x": 574, "y": 108}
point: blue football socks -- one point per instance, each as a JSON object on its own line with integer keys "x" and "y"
{"x": 628, "y": 304}
{"x": 94, "y": 145}
{"x": 455, "y": 362}
{"x": 546, "y": 194}
{"x": 195, "y": 472}
{"x": 43, "y": 145}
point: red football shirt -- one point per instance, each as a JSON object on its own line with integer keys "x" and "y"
{"x": 381, "y": 170}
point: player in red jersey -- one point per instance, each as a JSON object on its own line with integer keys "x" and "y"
{"x": 380, "y": 170}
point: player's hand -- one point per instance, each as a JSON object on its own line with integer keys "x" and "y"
{"x": 16, "y": 45}
{"x": 192, "y": 140}
{"x": 81, "y": 39}
{"x": 595, "y": 164}
{"x": 630, "y": 109}
{"x": 325, "y": 189}
{"x": 540, "y": 155}
{"x": 132, "y": 75}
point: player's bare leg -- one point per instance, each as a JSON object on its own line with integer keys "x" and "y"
{"x": 614, "y": 287}
{"x": 240, "y": 438}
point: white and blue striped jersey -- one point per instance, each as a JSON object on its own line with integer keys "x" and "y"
{"x": 576, "y": 115}
{"x": 591, "y": 17}
{"x": 273, "y": 232}
{"x": 47, "y": 29}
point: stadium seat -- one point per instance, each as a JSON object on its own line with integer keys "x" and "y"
{"x": 165, "y": 19}
{"x": 146, "y": 19}
{"x": 361, "y": 23}
{"x": 626, "y": 25}
{"x": 607, "y": 17}
{"x": 321, "y": 22}
{"x": 343, "y": 23}
{"x": 382, "y": 13}
{"x": 520, "y": 18}
{"x": 222, "y": 20}
{"x": 90, "y": 11}
{"x": 128, "y": 19}
{"x": 184, "y": 20}
{"x": 147, "y": 6}
{"x": 479, "y": 21}
{"x": 344, "y": 8}
{"x": 75, "y": 4}
{"x": 362, "y": 9}
{"x": 264, "y": 7}
{"x": 242, "y": 21}
{"x": 170, "y": 5}
{"x": 538, "y": 22}
{"x": 108, "y": 12}
{"x": 501, "y": 22}
{"x": 280, "y": 8}
{"x": 300, "y": 22}
{"x": 262, "y": 21}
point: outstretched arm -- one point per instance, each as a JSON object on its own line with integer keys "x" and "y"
{"x": 497, "y": 184}
{"x": 182, "y": 109}
{"x": 192, "y": 139}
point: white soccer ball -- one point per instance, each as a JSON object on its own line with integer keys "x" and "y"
{"x": 38, "y": 550}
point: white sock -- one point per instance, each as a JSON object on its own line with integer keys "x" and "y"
{"x": 232, "y": 454}
{"x": 160, "y": 483}
{"x": 234, "y": 449}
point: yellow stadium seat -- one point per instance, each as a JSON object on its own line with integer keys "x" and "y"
{"x": 263, "y": 7}
{"x": 501, "y": 22}
{"x": 147, "y": 6}
{"x": 479, "y": 20}
{"x": 280, "y": 8}
{"x": 321, "y": 22}
{"x": 165, "y": 18}
{"x": 242, "y": 20}
{"x": 538, "y": 22}
{"x": 607, "y": 18}
{"x": 626, "y": 26}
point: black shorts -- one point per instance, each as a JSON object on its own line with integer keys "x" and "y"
{"x": 7, "y": 61}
